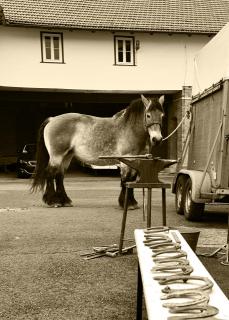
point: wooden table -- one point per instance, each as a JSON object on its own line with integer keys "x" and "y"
{"x": 152, "y": 289}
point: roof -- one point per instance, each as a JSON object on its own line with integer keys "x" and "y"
{"x": 2, "y": 17}
{"x": 189, "y": 16}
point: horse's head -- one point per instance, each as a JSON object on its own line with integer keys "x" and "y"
{"x": 153, "y": 115}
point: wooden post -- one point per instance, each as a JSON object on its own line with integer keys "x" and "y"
{"x": 123, "y": 221}
{"x": 163, "y": 206}
{"x": 149, "y": 197}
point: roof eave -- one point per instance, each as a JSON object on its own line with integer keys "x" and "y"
{"x": 107, "y": 28}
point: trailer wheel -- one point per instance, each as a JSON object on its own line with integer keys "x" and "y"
{"x": 192, "y": 210}
{"x": 179, "y": 194}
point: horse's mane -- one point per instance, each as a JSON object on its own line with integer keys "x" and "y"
{"x": 136, "y": 109}
{"x": 132, "y": 112}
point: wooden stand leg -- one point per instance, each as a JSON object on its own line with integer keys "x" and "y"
{"x": 226, "y": 261}
{"x": 163, "y": 206}
{"x": 139, "y": 295}
{"x": 227, "y": 245}
{"x": 149, "y": 197}
{"x": 123, "y": 221}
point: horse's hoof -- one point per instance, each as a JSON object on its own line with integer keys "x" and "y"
{"x": 133, "y": 207}
{"x": 67, "y": 204}
{"x": 55, "y": 205}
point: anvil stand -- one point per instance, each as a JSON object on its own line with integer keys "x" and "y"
{"x": 148, "y": 169}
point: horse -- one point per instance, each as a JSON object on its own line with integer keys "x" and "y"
{"x": 132, "y": 131}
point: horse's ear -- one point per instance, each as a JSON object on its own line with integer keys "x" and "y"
{"x": 161, "y": 100}
{"x": 145, "y": 101}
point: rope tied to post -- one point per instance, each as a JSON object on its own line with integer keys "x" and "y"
{"x": 187, "y": 115}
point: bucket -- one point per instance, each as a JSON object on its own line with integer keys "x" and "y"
{"x": 191, "y": 236}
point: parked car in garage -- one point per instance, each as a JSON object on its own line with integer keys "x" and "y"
{"x": 26, "y": 162}
{"x": 102, "y": 169}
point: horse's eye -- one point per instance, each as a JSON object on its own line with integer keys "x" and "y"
{"x": 148, "y": 116}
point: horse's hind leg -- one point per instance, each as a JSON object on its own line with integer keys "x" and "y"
{"x": 49, "y": 196}
{"x": 128, "y": 175}
{"x": 61, "y": 194}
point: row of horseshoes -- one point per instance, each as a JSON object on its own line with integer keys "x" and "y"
{"x": 172, "y": 267}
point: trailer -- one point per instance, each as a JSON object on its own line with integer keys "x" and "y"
{"x": 202, "y": 174}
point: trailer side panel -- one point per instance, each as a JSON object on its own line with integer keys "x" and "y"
{"x": 207, "y": 117}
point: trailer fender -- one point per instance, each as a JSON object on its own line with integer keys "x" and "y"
{"x": 196, "y": 178}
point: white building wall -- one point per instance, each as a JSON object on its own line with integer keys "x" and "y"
{"x": 212, "y": 62}
{"x": 164, "y": 62}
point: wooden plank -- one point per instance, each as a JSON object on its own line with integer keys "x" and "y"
{"x": 152, "y": 289}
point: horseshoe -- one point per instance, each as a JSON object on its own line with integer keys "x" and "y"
{"x": 176, "y": 254}
{"x": 207, "y": 312}
{"x": 156, "y": 229}
{"x": 174, "y": 279}
{"x": 184, "y": 270}
{"x": 156, "y": 241}
{"x": 169, "y": 251}
{"x": 172, "y": 261}
{"x": 157, "y": 247}
{"x": 195, "y": 312}
{"x": 196, "y": 308}
{"x": 197, "y": 298}
{"x": 155, "y": 237}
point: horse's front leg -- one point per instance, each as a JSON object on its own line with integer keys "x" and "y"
{"x": 127, "y": 175}
{"x": 61, "y": 195}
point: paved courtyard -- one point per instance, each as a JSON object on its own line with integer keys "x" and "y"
{"x": 40, "y": 249}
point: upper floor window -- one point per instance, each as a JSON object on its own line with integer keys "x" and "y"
{"x": 124, "y": 50}
{"x": 52, "y": 47}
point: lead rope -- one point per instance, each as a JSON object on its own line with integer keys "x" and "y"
{"x": 187, "y": 115}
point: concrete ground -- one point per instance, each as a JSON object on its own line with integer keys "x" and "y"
{"x": 43, "y": 276}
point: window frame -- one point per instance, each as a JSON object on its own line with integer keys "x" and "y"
{"x": 132, "y": 51}
{"x": 52, "y": 35}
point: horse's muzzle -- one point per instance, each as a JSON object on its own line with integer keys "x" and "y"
{"x": 155, "y": 141}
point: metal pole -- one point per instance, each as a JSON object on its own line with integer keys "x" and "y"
{"x": 149, "y": 197}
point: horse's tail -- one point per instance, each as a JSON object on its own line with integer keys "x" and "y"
{"x": 42, "y": 159}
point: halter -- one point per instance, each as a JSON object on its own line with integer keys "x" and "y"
{"x": 147, "y": 125}
{"x": 150, "y": 124}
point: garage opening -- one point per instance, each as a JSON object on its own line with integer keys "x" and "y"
{"x": 22, "y": 113}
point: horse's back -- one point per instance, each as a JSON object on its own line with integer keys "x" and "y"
{"x": 74, "y": 118}
{"x": 87, "y": 135}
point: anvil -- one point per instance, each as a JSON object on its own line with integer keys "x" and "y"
{"x": 147, "y": 168}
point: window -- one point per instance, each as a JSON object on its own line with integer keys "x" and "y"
{"x": 52, "y": 47}
{"x": 124, "y": 51}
